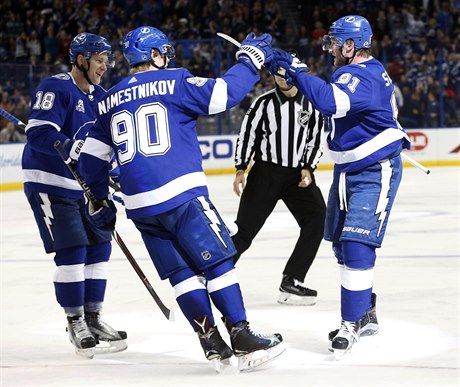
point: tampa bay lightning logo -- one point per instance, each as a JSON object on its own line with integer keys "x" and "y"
{"x": 145, "y": 30}
{"x": 350, "y": 19}
{"x": 81, "y": 38}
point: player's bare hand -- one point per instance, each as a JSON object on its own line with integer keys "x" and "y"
{"x": 305, "y": 178}
{"x": 239, "y": 183}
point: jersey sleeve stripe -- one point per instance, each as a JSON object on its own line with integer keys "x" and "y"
{"x": 98, "y": 149}
{"x": 219, "y": 97}
{"x": 342, "y": 102}
{"x": 33, "y": 123}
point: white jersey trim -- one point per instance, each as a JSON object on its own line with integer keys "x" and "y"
{"x": 32, "y": 123}
{"x": 98, "y": 149}
{"x": 165, "y": 192}
{"x": 46, "y": 178}
{"x": 219, "y": 97}
{"x": 342, "y": 102}
{"x": 364, "y": 150}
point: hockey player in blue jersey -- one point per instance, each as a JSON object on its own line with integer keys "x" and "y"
{"x": 365, "y": 142}
{"x": 63, "y": 108}
{"x": 148, "y": 121}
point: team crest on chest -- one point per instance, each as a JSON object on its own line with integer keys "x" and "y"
{"x": 302, "y": 117}
{"x": 80, "y": 106}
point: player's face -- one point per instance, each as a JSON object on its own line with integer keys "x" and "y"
{"x": 99, "y": 64}
{"x": 336, "y": 52}
{"x": 281, "y": 82}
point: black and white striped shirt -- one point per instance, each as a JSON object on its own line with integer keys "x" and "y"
{"x": 280, "y": 130}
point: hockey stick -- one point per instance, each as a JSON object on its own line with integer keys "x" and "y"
{"x": 169, "y": 314}
{"x": 235, "y": 42}
{"x": 415, "y": 163}
{"x": 12, "y": 118}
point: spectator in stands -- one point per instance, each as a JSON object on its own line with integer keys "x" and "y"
{"x": 9, "y": 134}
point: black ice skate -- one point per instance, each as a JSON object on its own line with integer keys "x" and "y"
{"x": 215, "y": 348}
{"x": 349, "y": 333}
{"x": 346, "y": 337}
{"x": 253, "y": 349}
{"x": 294, "y": 292}
{"x": 369, "y": 325}
{"x": 80, "y": 336}
{"x": 113, "y": 341}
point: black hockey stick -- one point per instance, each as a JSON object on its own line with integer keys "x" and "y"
{"x": 59, "y": 146}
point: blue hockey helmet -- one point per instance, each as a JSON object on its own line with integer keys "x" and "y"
{"x": 138, "y": 45}
{"x": 88, "y": 44}
{"x": 352, "y": 27}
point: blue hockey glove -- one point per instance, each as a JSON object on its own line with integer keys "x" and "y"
{"x": 73, "y": 148}
{"x": 287, "y": 61}
{"x": 102, "y": 214}
{"x": 254, "y": 52}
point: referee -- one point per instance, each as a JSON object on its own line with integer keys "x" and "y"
{"x": 281, "y": 133}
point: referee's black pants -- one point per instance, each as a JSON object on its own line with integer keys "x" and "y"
{"x": 266, "y": 184}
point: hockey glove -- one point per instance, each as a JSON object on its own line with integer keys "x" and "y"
{"x": 73, "y": 148}
{"x": 254, "y": 52}
{"x": 102, "y": 213}
{"x": 287, "y": 61}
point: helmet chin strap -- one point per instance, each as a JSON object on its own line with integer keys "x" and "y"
{"x": 160, "y": 67}
{"x": 348, "y": 60}
{"x": 84, "y": 71}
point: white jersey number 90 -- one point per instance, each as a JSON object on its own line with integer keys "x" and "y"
{"x": 146, "y": 132}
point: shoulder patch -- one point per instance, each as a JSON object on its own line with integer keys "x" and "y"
{"x": 62, "y": 76}
{"x": 197, "y": 81}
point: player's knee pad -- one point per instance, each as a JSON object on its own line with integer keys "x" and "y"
{"x": 358, "y": 255}
{"x": 70, "y": 256}
{"x": 186, "y": 281}
{"x": 337, "y": 249}
{"x": 98, "y": 253}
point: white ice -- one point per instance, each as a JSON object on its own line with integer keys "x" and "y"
{"x": 416, "y": 279}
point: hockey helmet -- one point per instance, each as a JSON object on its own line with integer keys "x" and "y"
{"x": 352, "y": 27}
{"x": 138, "y": 44}
{"x": 88, "y": 44}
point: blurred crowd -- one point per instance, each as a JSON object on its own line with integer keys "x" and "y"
{"x": 418, "y": 41}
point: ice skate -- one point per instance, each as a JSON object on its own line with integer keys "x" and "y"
{"x": 80, "y": 336}
{"x": 108, "y": 340}
{"x": 346, "y": 338}
{"x": 215, "y": 348}
{"x": 294, "y": 292}
{"x": 253, "y": 349}
{"x": 369, "y": 325}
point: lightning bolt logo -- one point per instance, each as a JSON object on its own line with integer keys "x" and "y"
{"x": 47, "y": 213}
{"x": 213, "y": 219}
{"x": 384, "y": 191}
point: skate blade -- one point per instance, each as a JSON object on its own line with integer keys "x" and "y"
{"x": 255, "y": 359}
{"x": 292, "y": 299}
{"x": 105, "y": 347}
{"x": 87, "y": 353}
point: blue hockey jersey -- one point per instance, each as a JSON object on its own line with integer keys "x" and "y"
{"x": 361, "y": 107}
{"x": 60, "y": 110}
{"x": 149, "y": 121}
